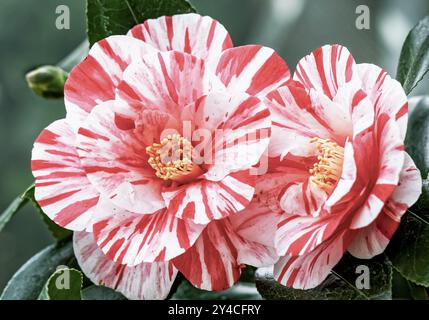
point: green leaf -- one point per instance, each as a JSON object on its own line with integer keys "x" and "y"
{"x": 417, "y": 139}
{"x": 339, "y": 285}
{"x": 94, "y": 292}
{"x": 12, "y": 209}
{"x": 63, "y": 284}
{"x": 240, "y": 291}
{"x": 409, "y": 247}
{"x": 414, "y": 59}
{"x": 404, "y": 289}
{"x": 29, "y": 280}
{"x": 109, "y": 17}
{"x": 60, "y": 234}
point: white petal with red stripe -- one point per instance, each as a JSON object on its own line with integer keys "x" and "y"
{"x": 191, "y": 33}
{"x": 326, "y": 69}
{"x": 115, "y": 160}
{"x": 216, "y": 259}
{"x": 203, "y": 201}
{"x": 299, "y": 235}
{"x": 386, "y": 93}
{"x": 62, "y": 189}
{"x": 374, "y": 239}
{"x": 308, "y": 271}
{"x": 253, "y": 69}
{"x": 95, "y": 79}
{"x": 388, "y": 169}
{"x": 211, "y": 263}
{"x": 131, "y": 239}
{"x": 256, "y": 223}
{"x": 294, "y": 121}
{"x": 146, "y": 281}
{"x": 238, "y": 129}
{"x": 168, "y": 81}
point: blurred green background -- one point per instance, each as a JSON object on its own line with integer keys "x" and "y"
{"x": 28, "y": 38}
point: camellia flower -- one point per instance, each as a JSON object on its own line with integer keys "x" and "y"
{"x": 339, "y": 178}
{"x": 124, "y": 167}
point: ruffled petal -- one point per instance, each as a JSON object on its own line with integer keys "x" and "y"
{"x": 129, "y": 238}
{"x": 167, "y": 81}
{"x": 236, "y": 131}
{"x": 326, "y": 69}
{"x": 191, "y": 33}
{"x": 300, "y": 235}
{"x": 374, "y": 239}
{"x": 253, "y": 69}
{"x": 203, "y": 201}
{"x": 211, "y": 263}
{"x": 386, "y": 94}
{"x": 256, "y": 223}
{"x": 294, "y": 121}
{"x": 62, "y": 189}
{"x": 308, "y": 271}
{"x": 216, "y": 259}
{"x": 387, "y": 171}
{"x": 146, "y": 281}
{"x": 115, "y": 160}
{"x": 95, "y": 79}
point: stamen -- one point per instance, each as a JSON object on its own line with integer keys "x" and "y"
{"x": 172, "y": 158}
{"x": 326, "y": 172}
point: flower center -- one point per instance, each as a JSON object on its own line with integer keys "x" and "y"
{"x": 326, "y": 172}
{"x": 172, "y": 159}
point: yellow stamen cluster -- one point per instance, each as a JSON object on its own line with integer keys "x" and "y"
{"x": 326, "y": 172}
{"x": 171, "y": 158}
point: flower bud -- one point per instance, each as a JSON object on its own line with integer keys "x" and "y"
{"x": 47, "y": 81}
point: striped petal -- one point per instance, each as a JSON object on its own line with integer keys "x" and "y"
{"x": 95, "y": 79}
{"x": 386, "y": 93}
{"x": 217, "y": 257}
{"x": 256, "y": 223}
{"x": 300, "y": 235}
{"x": 236, "y": 131}
{"x": 294, "y": 121}
{"x": 115, "y": 160}
{"x": 130, "y": 239}
{"x": 302, "y": 198}
{"x": 253, "y": 69}
{"x": 326, "y": 69}
{"x": 374, "y": 239}
{"x": 62, "y": 189}
{"x": 203, "y": 201}
{"x": 211, "y": 263}
{"x": 168, "y": 81}
{"x": 191, "y": 33}
{"x": 308, "y": 271}
{"x": 390, "y": 161}
{"x": 146, "y": 281}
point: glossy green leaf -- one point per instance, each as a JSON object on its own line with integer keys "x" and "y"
{"x": 29, "y": 280}
{"x": 94, "y": 292}
{"x": 12, "y": 209}
{"x": 60, "y": 234}
{"x": 406, "y": 290}
{"x": 414, "y": 59}
{"x": 339, "y": 285}
{"x": 109, "y": 17}
{"x": 63, "y": 284}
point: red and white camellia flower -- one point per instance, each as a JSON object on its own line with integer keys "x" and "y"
{"x": 339, "y": 179}
{"x": 172, "y": 87}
